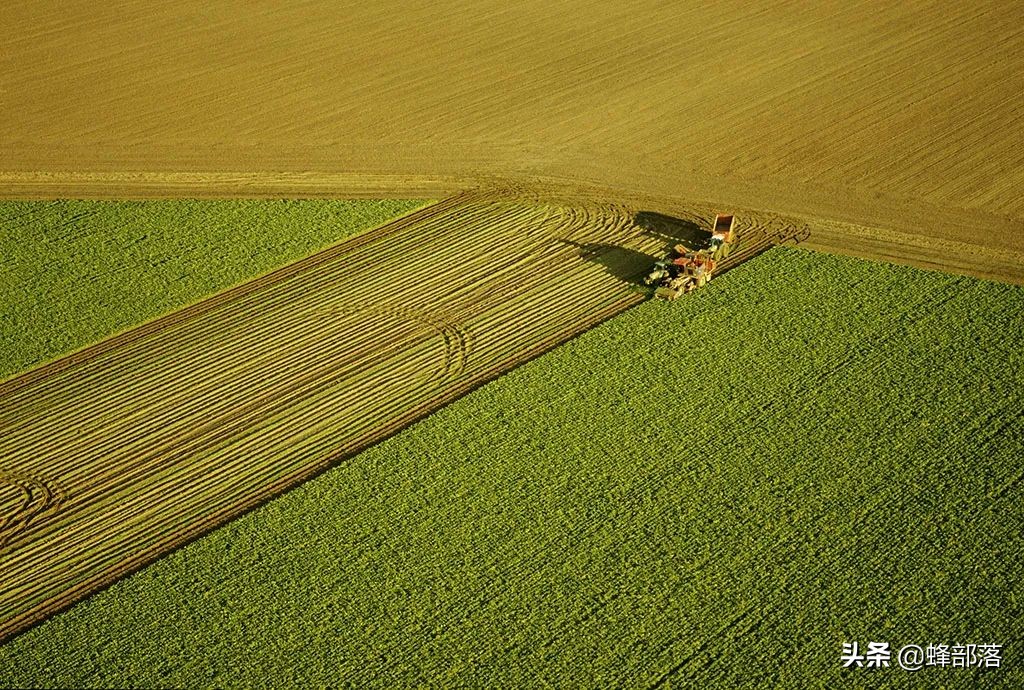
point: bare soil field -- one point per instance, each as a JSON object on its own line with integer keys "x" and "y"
{"x": 117, "y": 453}
{"x": 892, "y": 131}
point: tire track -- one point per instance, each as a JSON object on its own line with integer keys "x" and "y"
{"x": 458, "y": 341}
{"x": 38, "y": 496}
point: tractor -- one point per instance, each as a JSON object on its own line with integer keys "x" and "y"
{"x": 684, "y": 272}
{"x": 685, "y": 269}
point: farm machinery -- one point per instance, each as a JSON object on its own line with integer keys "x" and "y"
{"x": 684, "y": 269}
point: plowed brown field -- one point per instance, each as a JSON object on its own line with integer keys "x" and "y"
{"x": 117, "y": 453}
{"x": 892, "y": 129}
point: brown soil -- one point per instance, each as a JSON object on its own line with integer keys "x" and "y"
{"x": 892, "y": 131}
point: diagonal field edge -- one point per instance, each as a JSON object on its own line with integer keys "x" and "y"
{"x": 19, "y": 381}
{"x": 23, "y": 621}
{"x": 185, "y": 531}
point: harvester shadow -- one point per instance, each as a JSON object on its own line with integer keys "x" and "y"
{"x": 627, "y": 265}
{"x": 671, "y": 230}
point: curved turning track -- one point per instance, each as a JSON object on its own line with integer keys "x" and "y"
{"x": 118, "y": 453}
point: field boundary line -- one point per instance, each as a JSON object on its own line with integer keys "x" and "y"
{"x": 195, "y": 530}
{"x": 211, "y": 302}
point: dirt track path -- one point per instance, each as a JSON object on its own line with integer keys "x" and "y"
{"x": 115, "y": 454}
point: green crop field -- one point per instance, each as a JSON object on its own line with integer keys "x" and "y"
{"x": 717, "y": 492}
{"x": 74, "y": 272}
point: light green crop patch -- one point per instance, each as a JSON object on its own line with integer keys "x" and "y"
{"x": 74, "y": 272}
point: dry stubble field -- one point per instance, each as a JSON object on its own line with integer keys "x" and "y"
{"x": 892, "y": 130}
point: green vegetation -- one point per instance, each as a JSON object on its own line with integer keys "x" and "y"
{"x": 76, "y": 271}
{"x": 718, "y": 491}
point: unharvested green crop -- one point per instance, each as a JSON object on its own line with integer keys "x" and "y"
{"x": 716, "y": 492}
{"x": 74, "y": 272}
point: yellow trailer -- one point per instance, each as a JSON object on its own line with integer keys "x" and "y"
{"x": 723, "y": 235}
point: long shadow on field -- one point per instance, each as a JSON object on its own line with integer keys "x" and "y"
{"x": 628, "y": 265}
{"x": 671, "y": 230}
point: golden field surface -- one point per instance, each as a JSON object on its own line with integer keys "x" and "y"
{"x": 891, "y": 130}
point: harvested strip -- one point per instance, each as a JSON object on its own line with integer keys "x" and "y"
{"x": 118, "y": 453}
